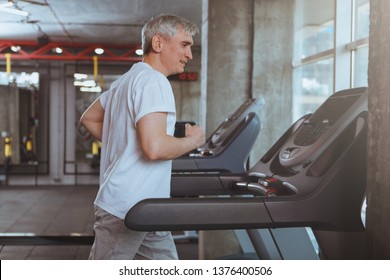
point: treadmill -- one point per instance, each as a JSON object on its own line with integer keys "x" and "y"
{"x": 313, "y": 176}
{"x": 228, "y": 147}
{"x": 226, "y": 150}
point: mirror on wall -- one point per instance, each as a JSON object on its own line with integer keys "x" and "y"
{"x": 87, "y": 148}
{"x": 22, "y": 148}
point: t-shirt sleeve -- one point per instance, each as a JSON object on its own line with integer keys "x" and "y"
{"x": 103, "y": 99}
{"x": 156, "y": 96}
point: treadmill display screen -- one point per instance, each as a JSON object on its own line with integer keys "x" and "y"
{"x": 323, "y": 119}
{"x": 223, "y": 130}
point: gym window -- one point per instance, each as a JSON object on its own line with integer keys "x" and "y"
{"x": 330, "y": 50}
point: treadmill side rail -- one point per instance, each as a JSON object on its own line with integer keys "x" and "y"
{"x": 198, "y": 214}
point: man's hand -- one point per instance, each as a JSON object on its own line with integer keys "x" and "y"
{"x": 195, "y": 133}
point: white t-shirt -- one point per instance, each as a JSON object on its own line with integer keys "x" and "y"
{"x": 126, "y": 174}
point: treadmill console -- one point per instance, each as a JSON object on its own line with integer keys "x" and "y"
{"x": 229, "y": 129}
{"x": 228, "y": 147}
{"x": 319, "y": 130}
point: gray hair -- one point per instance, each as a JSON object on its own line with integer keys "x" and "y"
{"x": 166, "y": 26}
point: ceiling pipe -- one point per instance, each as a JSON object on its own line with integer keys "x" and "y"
{"x": 30, "y": 50}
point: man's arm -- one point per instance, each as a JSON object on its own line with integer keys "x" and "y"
{"x": 158, "y": 145}
{"x": 92, "y": 119}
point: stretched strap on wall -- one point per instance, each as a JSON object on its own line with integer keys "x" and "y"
{"x": 8, "y": 63}
{"x": 95, "y": 67}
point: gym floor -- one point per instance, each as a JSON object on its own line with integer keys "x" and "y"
{"x": 54, "y": 223}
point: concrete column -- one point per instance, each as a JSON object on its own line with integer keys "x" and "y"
{"x": 378, "y": 173}
{"x": 56, "y": 126}
{"x": 226, "y": 75}
{"x": 272, "y": 69}
{"x": 248, "y": 53}
{"x": 228, "y": 45}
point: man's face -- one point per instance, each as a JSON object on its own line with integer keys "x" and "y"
{"x": 176, "y": 52}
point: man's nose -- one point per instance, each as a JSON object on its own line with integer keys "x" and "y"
{"x": 189, "y": 54}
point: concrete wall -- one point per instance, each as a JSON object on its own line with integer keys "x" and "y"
{"x": 378, "y": 181}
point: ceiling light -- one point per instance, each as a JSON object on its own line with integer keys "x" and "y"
{"x": 99, "y": 51}
{"x": 80, "y": 76}
{"x": 91, "y": 89}
{"x": 15, "y": 48}
{"x": 57, "y": 50}
{"x": 139, "y": 52}
{"x": 87, "y": 83}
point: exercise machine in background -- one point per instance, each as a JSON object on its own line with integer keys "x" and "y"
{"x": 228, "y": 147}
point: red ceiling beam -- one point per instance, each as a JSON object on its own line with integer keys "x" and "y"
{"x": 30, "y": 50}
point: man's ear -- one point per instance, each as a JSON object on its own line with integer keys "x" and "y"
{"x": 157, "y": 42}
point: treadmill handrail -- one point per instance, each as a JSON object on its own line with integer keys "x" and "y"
{"x": 198, "y": 214}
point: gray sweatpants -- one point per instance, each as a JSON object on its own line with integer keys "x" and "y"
{"x": 114, "y": 241}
